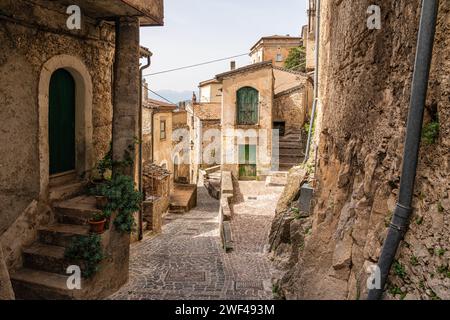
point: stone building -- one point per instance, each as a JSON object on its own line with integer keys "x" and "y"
{"x": 204, "y": 132}
{"x": 274, "y": 48}
{"x": 364, "y": 93}
{"x": 210, "y": 91}
{"x": 49, "y": 151}
{"x": 158, "y": 124}
{"x": 255, "y": 100}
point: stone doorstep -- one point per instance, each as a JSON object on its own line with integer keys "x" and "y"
{"x": 66, "y": 191}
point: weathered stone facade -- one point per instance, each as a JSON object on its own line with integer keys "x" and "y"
{"x": 36, "y": 42}
{"x": 365, "y": 85}
{"x": 24, "y": 52}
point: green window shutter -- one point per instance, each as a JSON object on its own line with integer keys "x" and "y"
{"x": 247, "y": 106}
{"x": 252, "y": 154}
{"x": 242, "y": 149}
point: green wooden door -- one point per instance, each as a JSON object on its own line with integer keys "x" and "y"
{"x": 61, "y": 122}
{"x": 247, "y": 106}
{"x": 247, "y": 162}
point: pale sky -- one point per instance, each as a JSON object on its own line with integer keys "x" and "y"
{"x": 196, "y": 31}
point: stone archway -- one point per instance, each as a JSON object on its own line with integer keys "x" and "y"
{"x": 83, "y": 115}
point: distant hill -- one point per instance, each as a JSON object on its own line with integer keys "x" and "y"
{"x": 172, "y": 95}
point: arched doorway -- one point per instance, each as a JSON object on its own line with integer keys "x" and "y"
{"x": 83, "y": 97}
{"x": 61, "y": 122}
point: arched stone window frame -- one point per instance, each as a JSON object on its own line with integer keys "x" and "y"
{"x": 83, "y": 116}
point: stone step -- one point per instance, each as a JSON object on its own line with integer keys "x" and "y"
{"x": 286, "y": 167}
{"x": 176, "y": 208}
{"x": 276, "y": 181}
{"x": 76, "y": 210}
{"x": 62, "y": 179}
{"x": 290, "y": 156}
{"x": 66, "y": 191}
{"x": 290, "y": 145}
{"x": 30, "y": 284}
{"x": 278, "y": 174}
{"x": 61, "y": 234}
{"x": 290, "y": 151}
{"x": 46, "y": 258}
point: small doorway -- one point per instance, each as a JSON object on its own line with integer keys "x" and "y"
{"x": 281, "y": 126}
{"x": 61, "y": 123}
{"x": 247, "y": 162}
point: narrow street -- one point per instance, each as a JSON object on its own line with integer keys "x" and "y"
{"x": 187, "y": 261}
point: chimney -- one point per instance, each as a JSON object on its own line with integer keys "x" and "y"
{"x": 194, "y": 98}
{"x": 233, "y": 65}
{"x": 144, "y": 90}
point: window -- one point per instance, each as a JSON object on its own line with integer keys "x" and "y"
{"x": 247, "y": 106}
{"x": 279, "y": 57}
{"x": 162, "y": 130}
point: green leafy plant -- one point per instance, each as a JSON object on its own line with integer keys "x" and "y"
{"x": 307, "y": 126}
{"x": 106, "y": 163}
{"x": 419, "y": 220}
{"x": 444, "y": 270}
{"x": 88, "y": 251}
{"x": 434, "y": 296}
{"x": 395, "y": 290}
{"x": 100, "y": 216}
{"x": 440, "y": 252}
{"x": 296, "y": 59}
{"x": 123, "y": 199}
{"x": 399, "y": 269}
{"x": 430, "y": 132}
{"x": 414, "y": 261}
{"x": 440, "y": 207}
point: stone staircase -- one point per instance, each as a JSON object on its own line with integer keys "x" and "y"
{"x": 183, "y": 198}
{"x": 43, "y": 274}
{"x": 291, "y": 149}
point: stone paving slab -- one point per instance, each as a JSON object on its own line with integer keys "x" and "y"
{"x": 187, "y": 260}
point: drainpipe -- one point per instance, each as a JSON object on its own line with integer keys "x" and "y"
{"x": 403, "y": 211}
{"x": 316, "y": 82}
{"x": 146, "y": 54}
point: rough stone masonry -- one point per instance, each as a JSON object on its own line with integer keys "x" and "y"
{"x": 364, "y": 94}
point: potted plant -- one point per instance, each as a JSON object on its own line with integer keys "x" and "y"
{"x": 101, "y": 202}
{"x": 97, "y": 222}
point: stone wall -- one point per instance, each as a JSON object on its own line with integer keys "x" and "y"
{"x": 6, "y": 290}
{"x": 365, "y": 85}
{"x": 289, "y": 107}
{"x": 35, "y": 36}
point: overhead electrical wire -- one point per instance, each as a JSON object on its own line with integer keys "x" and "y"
{"x": 195, "y": 65}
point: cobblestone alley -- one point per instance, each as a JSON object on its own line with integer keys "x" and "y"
{"x": 187, "y": 261}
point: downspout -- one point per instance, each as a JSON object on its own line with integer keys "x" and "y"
{"x": 403, "y": 211}
{"x": 146, "y": 54}
{"x": 316, "y": 82}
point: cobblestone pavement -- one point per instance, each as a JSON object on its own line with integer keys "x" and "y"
{"x": 187, "y": 261}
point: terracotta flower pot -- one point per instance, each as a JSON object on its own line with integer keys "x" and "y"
{"x": 101, "y": 202}
{"x": 97, "y": 227}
